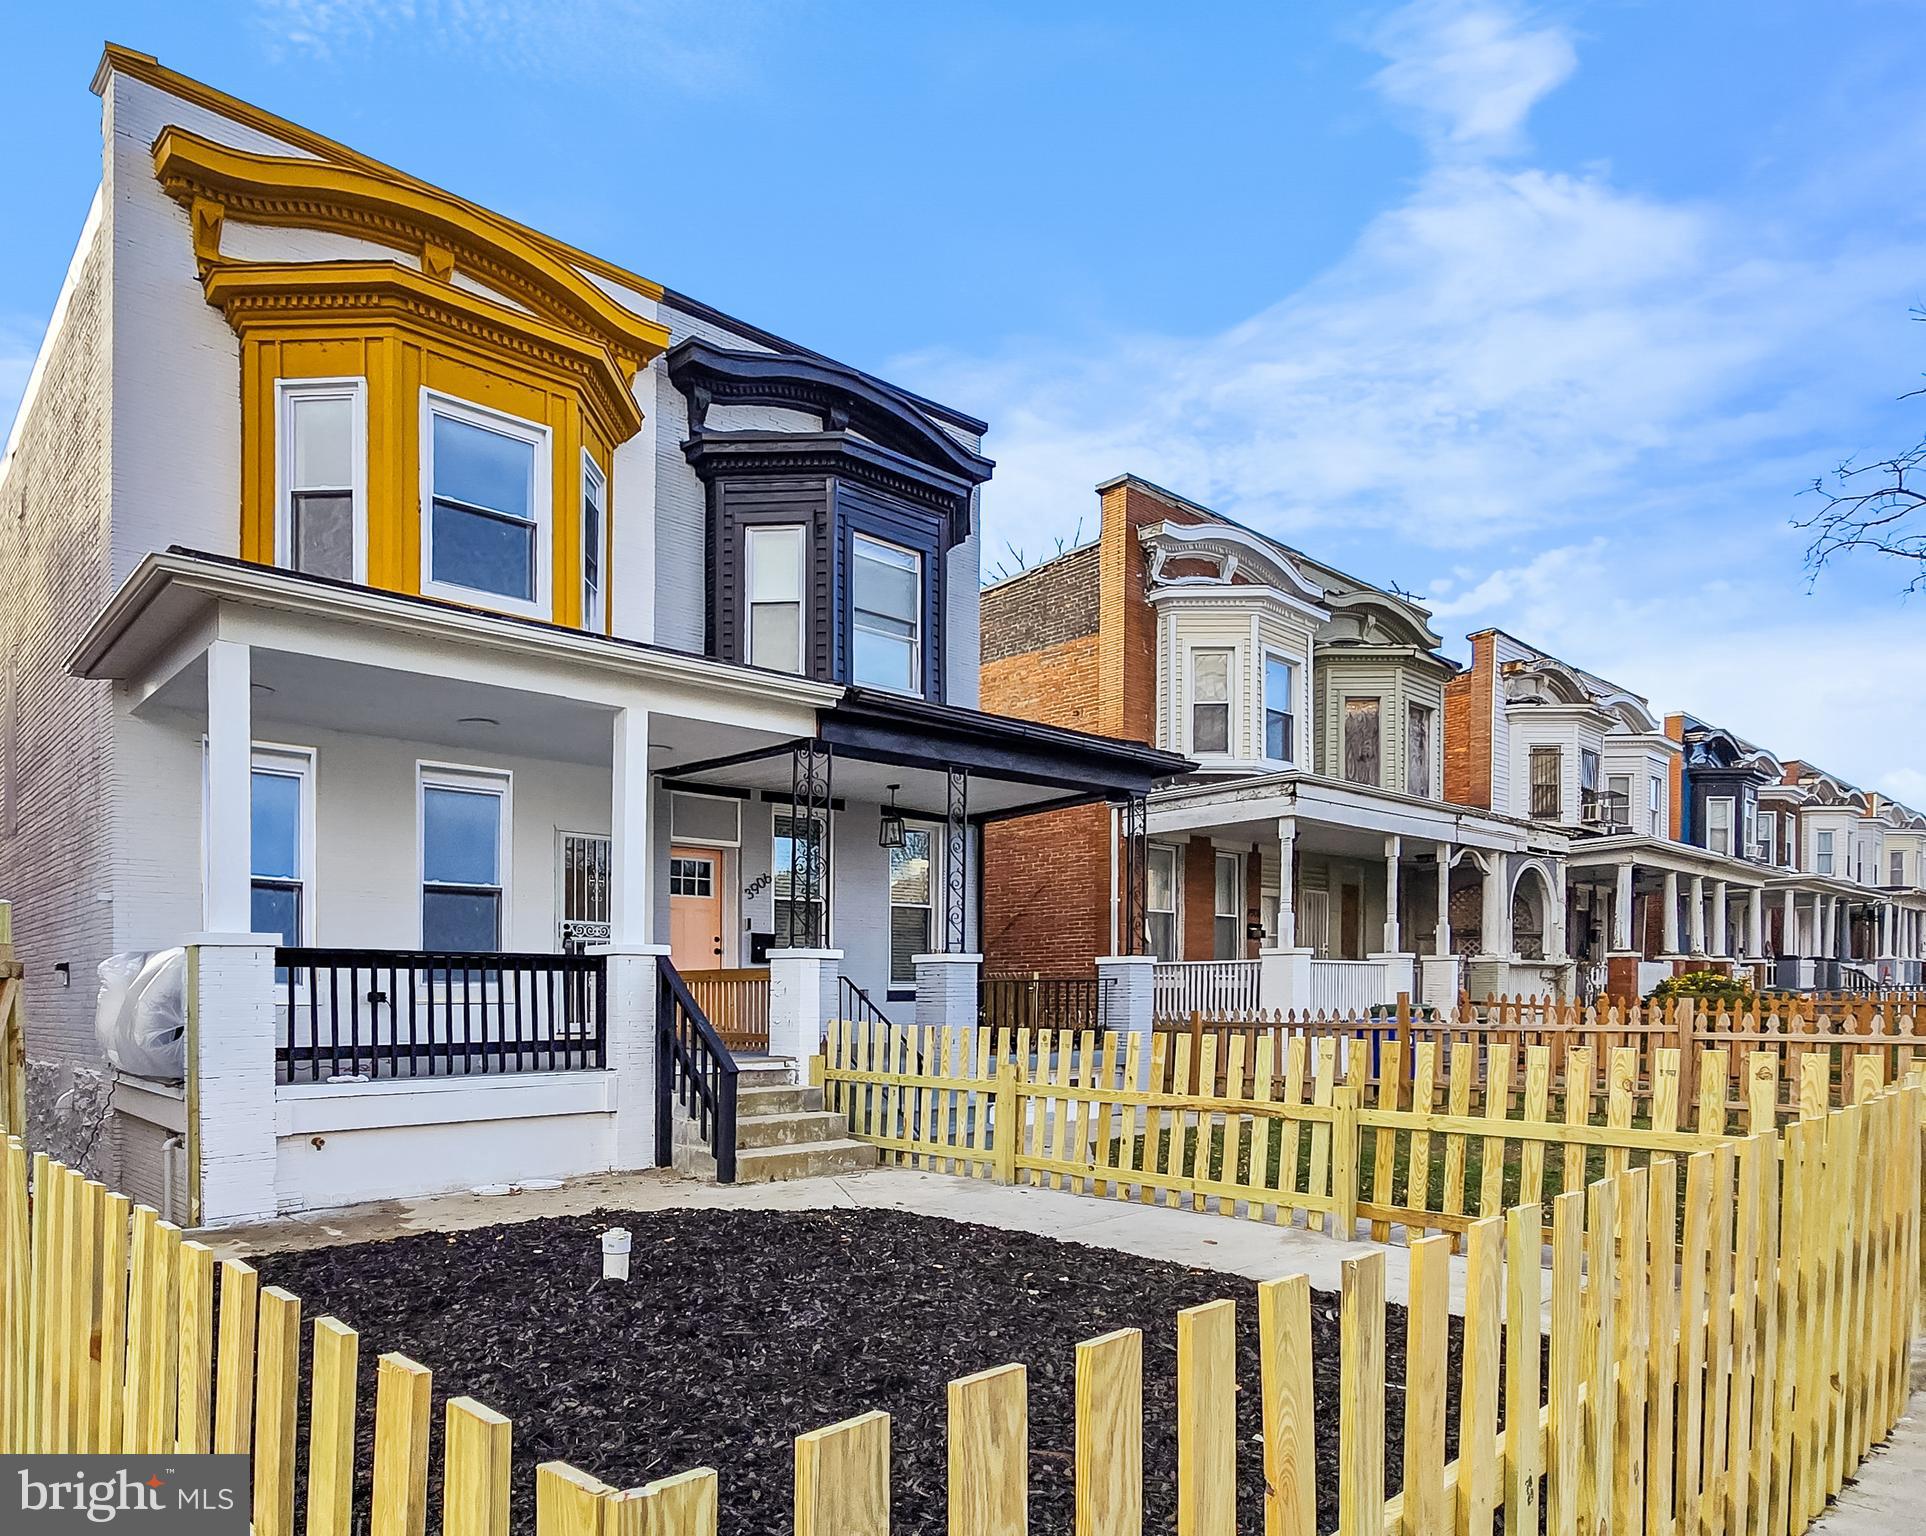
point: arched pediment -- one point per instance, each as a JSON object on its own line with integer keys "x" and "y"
{"x": 214, "y": 181}
{"x": 1218, "y": 554}
{"x": 1545, "y": 680}
{"x": 1376, "y": 618}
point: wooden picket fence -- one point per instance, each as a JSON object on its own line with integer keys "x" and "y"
{"x": 1665, "y": 1403}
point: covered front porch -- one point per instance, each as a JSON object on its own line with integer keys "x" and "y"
{"x": 1385, "y": 894}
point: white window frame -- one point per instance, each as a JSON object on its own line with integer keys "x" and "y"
{"x": 1655, "y": 804}
{"x": 777, "y": 810}
{"x": 1765, "y": 829}
{"x": 1412, "y": 709}
{"x": 595, "y": 597}
{"x": 1822, "y": 851}
{"x": 475, "y": 780}
{"x": 1731, "y": 820}
{"x": 1290, "y": 711}
{"x": 541, "y": 497}
{"x": 278, "y": 757}
{"x": 1896, "y": 866}
{"x": 1238, "y": 890}
{"x": 1228, "y": 703}
{"x": 1176, "y": 908}
{"x": 935, "y": 830}
{"x": 915, "y": 688}
{"x": 750, "y": 536}
{"x": 354, "y": 389}
{"x": 1344, "y": 736}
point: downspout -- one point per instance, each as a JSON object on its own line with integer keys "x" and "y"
{"x": 171, "y": 1150}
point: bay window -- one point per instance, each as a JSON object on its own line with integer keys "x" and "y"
{"x": 487, "y": 496}
{"x": 1655, "y": 805}
{"x": 1160, "y": 900}
{"x": 1547, "y": 783}
{"x": 1718, "y": 824}
{"x": 464, "y": 864}
{"x": 1210, "y": 729}
{"x": 773, "y": 581}
{"x": 1822, "y": 852}
{"x": 886, "y": 584}
{"x": 1417, "y": 750}
{"x": 1767, "y": 831}
{"x": 1280, "y": 679}
{"x": 321, "y": 495}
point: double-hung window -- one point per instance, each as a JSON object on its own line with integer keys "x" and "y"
{"x": 1588, "y": 767}
{"x": 773, "y": 582}
{"x": 912, "y": 902}
{"x": 1210, "y": 685}
{"x": 1160, "y": 900}
{"x": 282, "y": 838}
{"x": 487, "y": 496}
{"x": 1822, "y": 851}
{"x": 801, "y": 862}
{"x": 1655, "y": 805}
{"x": 1718, "y": 824}
{"x": 1280, "y": 716}
{"x": 1362, "y": 737}
{"x": 886, "y": 618}
{"x": 464, "y": 859}
{"x": 1417, "y": 750}
{"x": 1766, "y": 829}
{"x": 321, "y": 492}
{"x": 595, "y": 497}
{"x": 1618, "y": 800}
{"x": 1227, "y": 920}
{"x": 1898, "y": 868}
{"x": 1547, "y": 783}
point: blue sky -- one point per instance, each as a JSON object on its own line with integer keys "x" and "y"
{"x": 1545, "y": 313}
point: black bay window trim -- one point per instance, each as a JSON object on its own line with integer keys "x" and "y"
{"x": 862, "y": 511}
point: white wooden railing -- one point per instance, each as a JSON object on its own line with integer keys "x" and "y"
{"x": 1348, "y": 986}
{"x": 1206, "y": 986}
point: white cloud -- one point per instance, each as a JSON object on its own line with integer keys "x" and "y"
{"x": 1470, "y": 74}
{"x": 692, "y": 45}
{"x": 1573, "y": 409}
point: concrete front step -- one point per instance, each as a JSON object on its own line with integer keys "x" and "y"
{"x": 762, "y": 1165}
{"x": 783, "y": 1099}
{"x": 796, "y": 1128}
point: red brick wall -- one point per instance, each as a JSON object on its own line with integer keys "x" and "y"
{"x": 1467, "y": 727}
{"x": 1046, "y": 892}
{"x": 1675, "y": 789}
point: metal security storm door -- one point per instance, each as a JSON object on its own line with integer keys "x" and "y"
{"x": 584, "y": 907}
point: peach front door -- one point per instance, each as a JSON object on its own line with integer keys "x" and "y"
{"x": 695, "y": 909}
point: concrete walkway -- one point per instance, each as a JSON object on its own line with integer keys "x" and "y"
{"x": 1888, "y": 1496}
{"x": 1254, "y": 1249}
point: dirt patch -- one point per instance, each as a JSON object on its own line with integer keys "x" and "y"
{"x": 739, "y": 1330}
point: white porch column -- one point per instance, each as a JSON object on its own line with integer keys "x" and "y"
{"x": 1789, "y": 922}
{"x": 1755, "y": 924}
{"x": 1286, "y": 936}
{"x": 1721, "y": 927}
{"x": 1496, "y": 938}
{"x": 802, "y": 999}
{"x": 1671, "y": 913}
{"x": 1622, "y": 910}
{"x": 631, "y": 916}
{"x": 630, "y": 1029}
{"x": 230, "y": 1066}
{"x": 1695, "y": 915}
{"x": 1827, "y": 948}
{"x": 228, "y": 901}
{"x": 1441, "y": 943}
{"x": 1393, "y": 847}
{"x": 1886, "y": 928}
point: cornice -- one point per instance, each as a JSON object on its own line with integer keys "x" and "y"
{"x": 115, "y": 59}
{"x": 258, "y": 295}
{"x": 718, "y": 454}
{"x": 215, "y": 182}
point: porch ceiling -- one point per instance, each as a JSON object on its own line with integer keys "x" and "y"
{"x": 922, "y": 791}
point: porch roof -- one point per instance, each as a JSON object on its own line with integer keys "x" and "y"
{"x": 1259, "y": 800}
{"x": 1663, "y": 853}
{"x": 879, "y": 740}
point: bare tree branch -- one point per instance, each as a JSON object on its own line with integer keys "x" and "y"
{"x": 1015, "y": 561}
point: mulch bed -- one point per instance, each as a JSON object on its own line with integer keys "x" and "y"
{"x": 739, "y": 1330}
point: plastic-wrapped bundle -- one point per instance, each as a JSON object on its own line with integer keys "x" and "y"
{"x": 140, "y": 1018}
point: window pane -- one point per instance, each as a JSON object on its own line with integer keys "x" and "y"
{"x": 775, "y": 565}
{"x": 775, "y": 636}
{"x": 1226, "y": 939}
{"x": 1161, "y": 881}
{"x": 1210, "y": 728}
{"x": 488, "y": 554}
{"x": 886, "y": 583}
{"x": 484, "y": 468}
{"x": 323, "y": 533}
{"x": 461, "y": 919}
{"x": 1277, "y": 684}
{"x": 1163, "y": 935}
{"x": 884, "y": 661}
{"x": 1210, "y": 676}
{"x": 323, "y": 428}
{"x": 277, "y": 909}
{"x": 276, "y": 826}
{"x": 810, "y": 933}
{"x": 1227, "y": 893}
{"x": 909, "y": 868}
{"x": 1361, "y": 741}
{"x": 461, "y": 833}
{"x": 1277, "y": 737}
{"x": 909, "y": 936}
{"x": 1417, "y": 752}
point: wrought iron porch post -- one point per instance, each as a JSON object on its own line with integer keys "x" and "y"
{"x": 809, "y": 798}
{"x": 956, "y": 853}
{"x": 1136, "y": 874}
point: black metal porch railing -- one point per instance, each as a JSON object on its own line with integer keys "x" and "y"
{"x": 856, "y": 1005}
{"x": 386, "y": 1013}
{"x": 693, "y": 1070}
